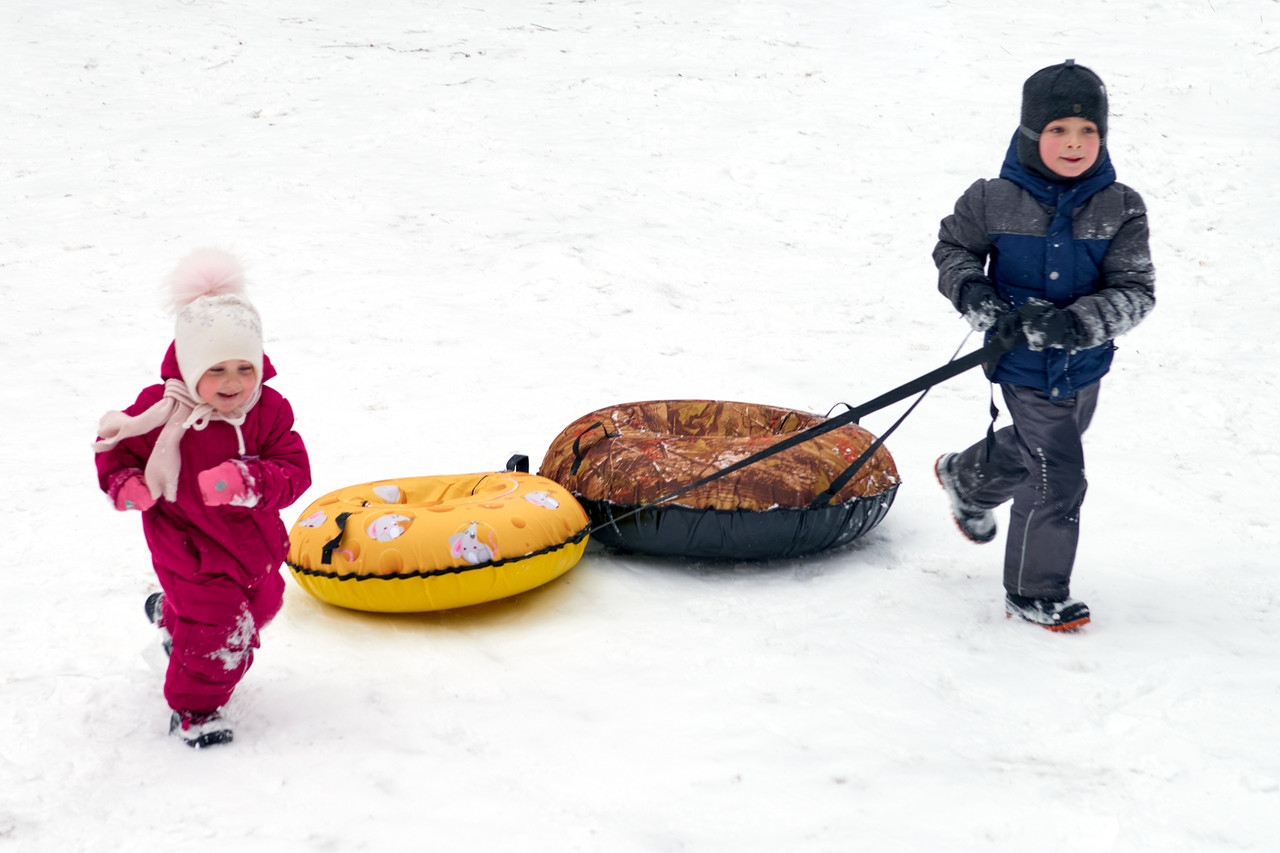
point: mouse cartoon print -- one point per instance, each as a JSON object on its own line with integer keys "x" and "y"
{"x": 542, "y": 499}
{"x": 384, "y": 528}
{"x": 474, "y": 543}
{"x": 316, "y": 519}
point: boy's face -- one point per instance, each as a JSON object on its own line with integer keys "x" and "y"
{"x": 1069, "y": 146}
{"x": 227, "y": 385}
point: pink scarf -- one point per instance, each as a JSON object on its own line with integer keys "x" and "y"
{"x": 176, "y": 411}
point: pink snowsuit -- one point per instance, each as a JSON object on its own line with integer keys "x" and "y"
{"x": 219, "y": 566}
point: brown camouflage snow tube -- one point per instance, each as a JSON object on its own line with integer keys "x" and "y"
{"x": 619, "y": 458}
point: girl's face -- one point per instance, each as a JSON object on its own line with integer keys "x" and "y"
{"x": 1069, "y": 146}
{"x": 227, "y": 384}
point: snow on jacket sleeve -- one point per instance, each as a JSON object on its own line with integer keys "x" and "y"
{"x": 1127, "y": 291}
{"x": 281, "y": 472}
{"x": 963, "y": 244}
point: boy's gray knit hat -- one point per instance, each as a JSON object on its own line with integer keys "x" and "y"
{"x": 1059, "y": 91}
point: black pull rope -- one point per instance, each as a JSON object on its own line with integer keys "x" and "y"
{"x": 992, "y": 350}
{"x": 991, "y": 427}
{"x": 827, "y": 495}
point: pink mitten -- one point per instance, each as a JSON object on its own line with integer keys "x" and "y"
{"x": 224, "y": 484}
{"x": 134, "y": 494}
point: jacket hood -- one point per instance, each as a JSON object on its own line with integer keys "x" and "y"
{"x": 169, "y": 367}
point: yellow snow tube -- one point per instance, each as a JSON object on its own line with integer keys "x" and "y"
{"x": 433, "y": 543}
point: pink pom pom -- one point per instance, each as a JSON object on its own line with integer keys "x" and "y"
{"x": 204, "y": 272}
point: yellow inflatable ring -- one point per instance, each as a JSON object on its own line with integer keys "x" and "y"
{"x": 432, "y": 543}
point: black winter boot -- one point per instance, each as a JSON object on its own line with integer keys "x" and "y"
{"x": 200, "y": 730}
{"x": 977, "y": 524}
{"x": 1065, "y": 615}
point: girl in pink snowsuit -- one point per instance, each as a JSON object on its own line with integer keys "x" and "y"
{"x": 210, "y": 458}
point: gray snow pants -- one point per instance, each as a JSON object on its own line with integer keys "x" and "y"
{"x": 1039, "y": 464}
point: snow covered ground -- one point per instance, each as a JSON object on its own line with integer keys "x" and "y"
{"x": 468, "y": 224}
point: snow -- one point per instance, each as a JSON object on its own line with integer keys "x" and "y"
{"x": 467, "y": 225}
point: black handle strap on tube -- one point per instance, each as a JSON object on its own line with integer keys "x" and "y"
{"x": 990, "y": 352}
{"x": 326, "y": 553}
{"x": 577, "y": 449}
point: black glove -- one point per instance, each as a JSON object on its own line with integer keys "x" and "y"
{"x": 1046, "y": 326}
{"x": 981, "y": 306}
{"x": 1008, "y": 330}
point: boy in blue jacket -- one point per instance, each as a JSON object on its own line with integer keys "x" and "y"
{"x": 1057, "y": 250}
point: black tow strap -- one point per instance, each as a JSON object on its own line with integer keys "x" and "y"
{"x": 955, "y": 367}
{"x": 991, "y": 427}
{"x": 829, "y": 493}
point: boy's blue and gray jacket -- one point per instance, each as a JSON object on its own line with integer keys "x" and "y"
{"x": 1082, "y": 246}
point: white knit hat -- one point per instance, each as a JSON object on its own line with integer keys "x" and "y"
{"x": 215, "y": 322}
